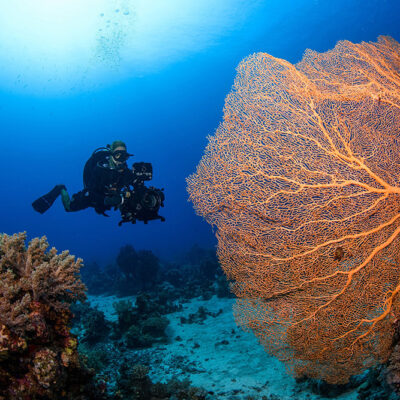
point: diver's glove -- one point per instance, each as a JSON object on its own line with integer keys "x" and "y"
{"x": 113, "y": 201}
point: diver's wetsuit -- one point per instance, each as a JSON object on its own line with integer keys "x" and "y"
{"x": 104, "y": 189}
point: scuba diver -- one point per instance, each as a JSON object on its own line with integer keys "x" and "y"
{"x": 109, "y": 183}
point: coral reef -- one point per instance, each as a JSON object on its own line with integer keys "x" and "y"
{"x": 393, "y": 369}
{"x": 140, "y": 269}
{"x": 93, "y": 326}
{"x": 38, "y": 354}
{"x": 135, "y": 384}
{"x": 196, "y": 273}
{"x": 138, "y": 331}
{"x": 142, "y": 325}
{"x": 200, "y": 316}
{"x": 100, "y": 280}
{"x": 302, "y": 183}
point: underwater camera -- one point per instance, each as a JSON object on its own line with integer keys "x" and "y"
{"x": 141, "y": 203}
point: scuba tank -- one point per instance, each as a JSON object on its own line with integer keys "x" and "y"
{"x": 97, "y": 156}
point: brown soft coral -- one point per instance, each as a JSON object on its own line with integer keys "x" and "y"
{"x": 38, "y": 355}
{"x": 34, "y": 274}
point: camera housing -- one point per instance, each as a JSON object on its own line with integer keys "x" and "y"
{"x": 143, "y": 171}
{"x": 142, "y": 203}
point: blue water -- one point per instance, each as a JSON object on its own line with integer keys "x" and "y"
{"x": 164, "y": 116}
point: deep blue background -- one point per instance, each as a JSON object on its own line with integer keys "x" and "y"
{"x": 164, "y": 118}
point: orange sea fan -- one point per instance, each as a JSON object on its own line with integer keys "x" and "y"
{"x": 302, "y": 182}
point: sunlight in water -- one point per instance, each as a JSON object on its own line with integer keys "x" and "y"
{"x": 54, "y": 46}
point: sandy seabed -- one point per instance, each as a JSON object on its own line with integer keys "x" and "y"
{"x": 217, "y": 355}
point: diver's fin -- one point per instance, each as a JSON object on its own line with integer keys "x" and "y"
{"x": 42, "y": 204}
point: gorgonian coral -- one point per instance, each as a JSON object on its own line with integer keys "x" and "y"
{"x": 302, "y": 182}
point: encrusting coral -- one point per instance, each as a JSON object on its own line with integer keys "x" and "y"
{"x": 38, "y": 355}
{"x": 302, "y": 182}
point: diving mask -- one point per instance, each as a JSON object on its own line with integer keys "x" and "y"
{"x": 121, "y": 155}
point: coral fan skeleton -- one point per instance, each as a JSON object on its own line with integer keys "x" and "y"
{"x": 302, "y": 181}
